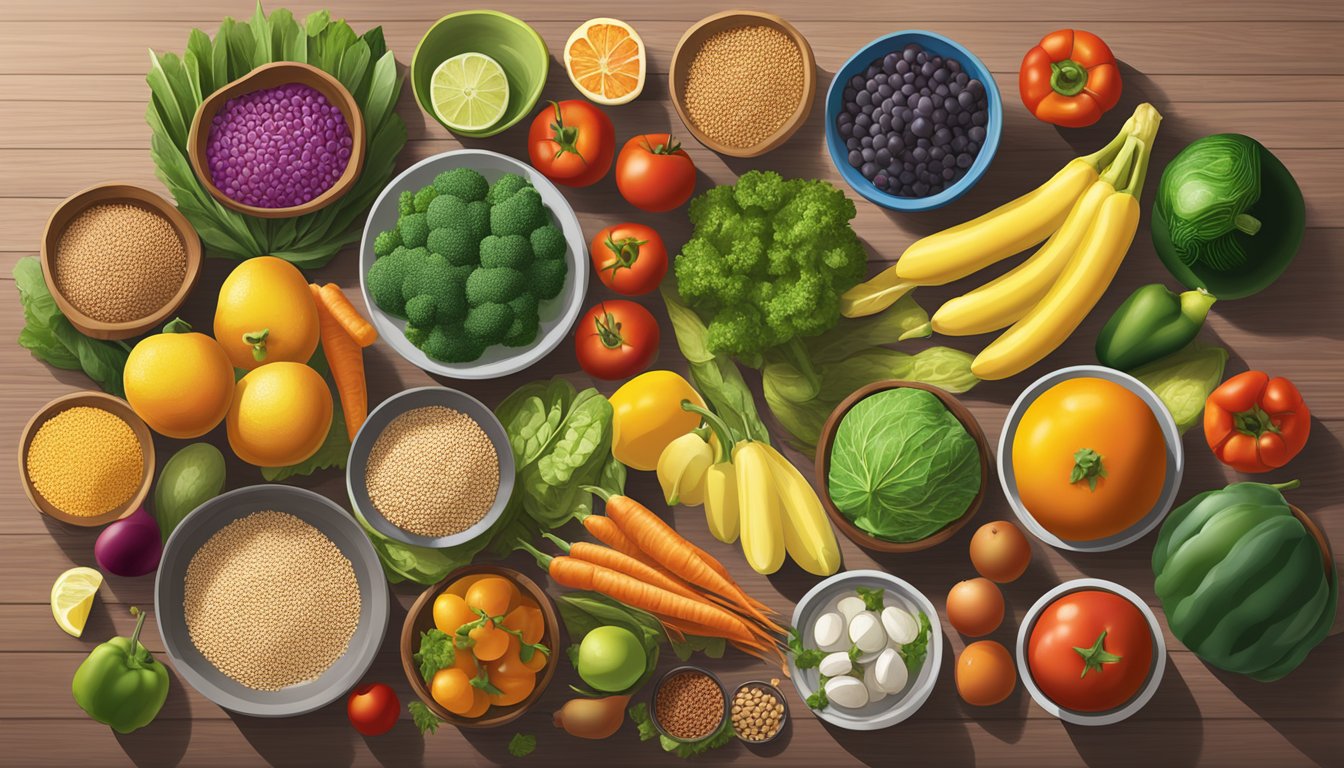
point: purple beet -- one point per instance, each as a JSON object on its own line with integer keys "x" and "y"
{"x": 130, "y": 546}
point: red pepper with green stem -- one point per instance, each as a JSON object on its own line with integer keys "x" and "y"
{"x": 1070, "y": 79}
{"x": 1254, "y": 423}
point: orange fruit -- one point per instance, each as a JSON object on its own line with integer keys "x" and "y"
{"x": 453, "y": 690}
{"x": 605, "y": 60}
{"x": 493, "y": 594}
{"x": 451, "y": 612}
{"x": 180, "y": 383}
{"x": 266, "y": 314}
{"x": 479, "y": 705}
{"x": 491, "y": 642}
{"x": 280, "y": 415}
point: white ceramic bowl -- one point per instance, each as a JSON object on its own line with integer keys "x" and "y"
{"x": 557, "y": 315}
{"x": 1171, "y": 435}
{"x": 896, "y": 707}
{"x": 1108, "y": 717}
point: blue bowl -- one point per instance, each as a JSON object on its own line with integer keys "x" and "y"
{"x": 895, "y": 43}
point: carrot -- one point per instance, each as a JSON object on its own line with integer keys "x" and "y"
{"x": 346, "y": 361}
{"x": 630, "y": 566}
{"x": 674, "y": 552}
{"x": 333, "y": 298}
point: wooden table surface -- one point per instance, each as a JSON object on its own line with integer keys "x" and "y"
{"x": 73, "y": 92}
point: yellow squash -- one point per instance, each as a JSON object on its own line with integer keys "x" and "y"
{"x": 808, "y": 536}
{"x": 759, "y": 505}
{"x": 682, "y": 467}
{"x": 721, "y": 513}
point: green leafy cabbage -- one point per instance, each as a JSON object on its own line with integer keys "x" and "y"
{"x": 1204, "y": 197}
{"x": 1184, "y": 379}
{"x": 902, "y": 466}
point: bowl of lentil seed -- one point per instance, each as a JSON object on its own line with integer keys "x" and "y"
{"x": 86, "y": 459}
{"x": 284, "y": 140}
{"x": 743, "y": 82}
{"x": 431, "y": 467}
{"x": 119, "y": 260}
{"x": 271, "y": 600}
{"x": 689, "y": 704}
{"x": 758, "y": 711}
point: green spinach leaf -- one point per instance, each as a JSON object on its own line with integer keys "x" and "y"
{"x": 52, "y": 339}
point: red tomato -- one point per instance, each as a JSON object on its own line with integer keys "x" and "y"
{"x": 373, "y": 708}
{"x": 616, "y": 339}
{"x": 1090, "y": 651}
{"x": 572, "y": 143}
{"x": 629, "y": 258}
{"x": 654, "y": 173}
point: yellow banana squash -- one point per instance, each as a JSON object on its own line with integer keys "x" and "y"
{"x": 808, "y": 536}
{"x": 759, "y": 505}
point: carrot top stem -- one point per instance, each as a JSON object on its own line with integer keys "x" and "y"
{"x": 601, "y": 493}
{"x": 559, "y": 542}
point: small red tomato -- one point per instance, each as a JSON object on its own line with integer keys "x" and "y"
{"x": 654, "y": 173}
{"x": 1090, "y": 651}
{"x": 373, "y": 708}
{"x": 616, "y": 339}
{"x": 572, "y": 143}
{"x": 629, "y": 258}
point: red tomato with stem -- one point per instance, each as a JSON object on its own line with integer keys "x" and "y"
{"x": 373, "y": 708}
{"x": 630, "y": 259}
{"x": 654, "y": 173}
{"x": 1090, "y": 651}
{"x": 1254, "y": 423}
{"x": 616, "y": 339}
{"x": 572, "y": 143}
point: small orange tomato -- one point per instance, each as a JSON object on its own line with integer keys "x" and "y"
{"x": 1000, "y": 552}
{"x": 985, "y": 674}
{"x": 527, "y": 620}
{"x": 479, "y": 704}
{"x": 461, "y": 586}
{"x": 451, "y": 612}
{"x": 491, "y": 642}
{"x": 512, "y": 688}
{"x": 975, "y": 607}
{"x": 492, "y": 594}
{"x": 452, "y": 689}
{"x": 465, "y": 661}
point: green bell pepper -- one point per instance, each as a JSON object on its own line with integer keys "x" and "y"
{"x": 120, "y": 684}
{"x": 1152, "y": 323}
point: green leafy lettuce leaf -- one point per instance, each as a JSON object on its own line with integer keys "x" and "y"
{"x": 803, "y": 657}
{"x": 522, "y": 744}
{"x": 1184, "y": 379}
{"x": 639, "y": 714}
{"x": 425, "y": 720}
{"x": 872, "y": 598}
{"x": 53, "y": 340}
{"x": 436, "y": 652}
{"x": 914, "y": 651}
{"x": 902, "y": 466}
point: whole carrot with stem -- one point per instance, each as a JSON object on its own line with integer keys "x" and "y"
{"x": 345, "y": 358}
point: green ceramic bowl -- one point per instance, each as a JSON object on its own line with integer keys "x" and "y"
{"x": 510, "y": 41}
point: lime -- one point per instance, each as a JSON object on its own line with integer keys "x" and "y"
{"x": 72, "y": 598}
{"x": 469, "y": 92}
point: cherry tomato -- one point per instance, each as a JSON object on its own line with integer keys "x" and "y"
{"x": 451, "y": 612}
{"x": 480, "y": 702}
{"x": 985, "y": 674}
{"x": 572, "y": 143}
{"x": 616, "y": 339}
{"x": 453, "y": 690}
{"x": 493, "y": 594}
{"x": 513, "y": 679}
{"x": 1090, "y": 651}
{"x": 373, "y": 708}
{"x": 629, "y": 258}
{"x": 491, "y": 642}
{"x": 528, "y": 620}
{"x": 654, "y": 173}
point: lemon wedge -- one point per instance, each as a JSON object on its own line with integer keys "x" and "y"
{"x": 72, "y": 598}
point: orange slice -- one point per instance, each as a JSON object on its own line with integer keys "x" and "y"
{"x": 605, "y": 60}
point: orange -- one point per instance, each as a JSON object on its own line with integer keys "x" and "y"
{"x": 1089, "y": 417}
{"x": 180, "y": 383}
{"x": 266, "y": 314}
{"x": 280, "y": 415}
{"x": 605, "y": 60}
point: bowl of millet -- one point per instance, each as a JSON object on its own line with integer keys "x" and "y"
{"x": 431, "y": 467}
{"x": 119, "y": 260}
{"x": 742, "y": 81}
{"x": 284, "y": 140}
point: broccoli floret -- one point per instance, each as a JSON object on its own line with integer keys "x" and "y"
{"x": 418, "y": 334}
{"x": 453, "y": 244}
{"x": 476, "y": 221}
{"x": 406, "y": 203}
{"x": 446, "y": 211}
{"x": 513, "y": 251}
{"x": 423, "y": 198}
{"x": 488, "y": 322}
{"x": 433, "y": 277}
{"x": 386, "y": 242}
{"x": 462, "y": 183}
{"x": 499, "y": 286}
{"x": 451, "y": 344}
{"x": 519, "y": 215}
{"x": 523, "y": 330}
{"x": 385, "y": 279}
{"x": 414, "y": 230}
{"x": 546, "y": 278}
{"x": 548, "y": 242}
{"x": 504, "y": 187}
{"x": 420, "y": 310}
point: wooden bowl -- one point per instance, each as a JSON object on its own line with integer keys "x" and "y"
{"x": 127, "y": 194}
{"x": 272, "y": 76}
{"x": 117, "y": 407}
{"x": 420, "y": 618}
{"x": 690, "y": 45}
{"x": 823, "y": 466}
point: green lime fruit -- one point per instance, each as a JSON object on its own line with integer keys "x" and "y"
{"x": 611, "y": 659}
{"x": 469, "y": 91}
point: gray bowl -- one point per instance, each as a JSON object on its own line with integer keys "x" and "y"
{"x": 337, "y": 525}
{"x": 557, "y": 315}
{"x": 378, "y": 421}
{"x": 1170, "y": 486}
{"x": 896, "y": 707}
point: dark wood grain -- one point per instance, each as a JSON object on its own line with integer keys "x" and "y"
{"x": 72, "y": 104}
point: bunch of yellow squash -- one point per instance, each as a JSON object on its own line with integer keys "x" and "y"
{"x": 1086, "y": 214}
{"x": 749, "y": 490}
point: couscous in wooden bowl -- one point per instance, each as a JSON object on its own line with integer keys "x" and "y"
{"x": 126, "y": 194}
{"x": 117, "y": 407}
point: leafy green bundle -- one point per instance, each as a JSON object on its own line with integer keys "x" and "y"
{"x": 53, "y": 340}
{"x": 179, "y": 84}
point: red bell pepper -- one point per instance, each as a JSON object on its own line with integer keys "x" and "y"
{"x": 1254, "y": 423}
{"x": 1070, "y": 79}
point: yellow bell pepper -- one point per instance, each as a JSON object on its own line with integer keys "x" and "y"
{"x": 647, "y": 416}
